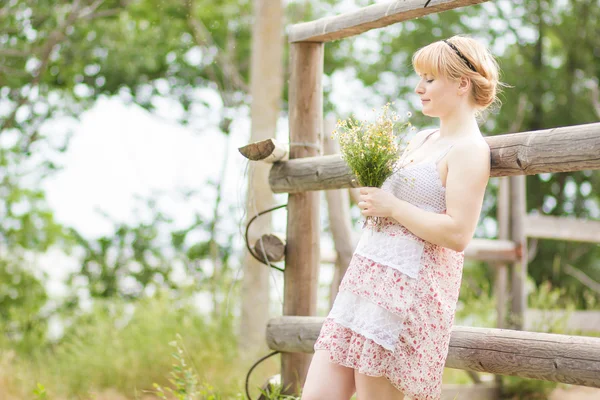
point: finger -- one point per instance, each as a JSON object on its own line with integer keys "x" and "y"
{"x": 364, "y": 190}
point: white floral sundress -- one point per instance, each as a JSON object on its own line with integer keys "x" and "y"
{"x": 395, "y": 308}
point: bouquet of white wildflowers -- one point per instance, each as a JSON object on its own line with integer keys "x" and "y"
{"x": 372, "y": 150}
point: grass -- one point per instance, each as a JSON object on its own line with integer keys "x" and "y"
{"x": 128, "y": 352}
{"x": 160, "y": 348}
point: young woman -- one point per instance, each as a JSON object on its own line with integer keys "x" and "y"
{"x": 388, "y": 333}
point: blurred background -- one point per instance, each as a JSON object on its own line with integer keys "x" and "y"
{"x": 124, "y": 199}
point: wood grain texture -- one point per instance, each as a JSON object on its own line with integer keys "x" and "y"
{"x": 567, "y": 149}
{"x": 370, "y": 17}
{"x": 270, "y": 246}
{"x": 269, "y": 150}
{"x": 551, "y": 357}
{"x": 564, "y": 149}
{"x": 303, "y": 230}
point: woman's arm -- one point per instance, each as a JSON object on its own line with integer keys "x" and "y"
{"x": 468, "y": 175}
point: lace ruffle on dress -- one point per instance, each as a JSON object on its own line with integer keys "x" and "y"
{"x": 395, "y": 308}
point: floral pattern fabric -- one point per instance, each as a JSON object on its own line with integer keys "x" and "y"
{"x": 407, "y": 336}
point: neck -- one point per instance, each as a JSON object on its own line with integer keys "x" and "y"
{"x": 461, "y": 122}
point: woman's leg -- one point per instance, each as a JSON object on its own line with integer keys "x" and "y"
{"x": 380, "y": 388}
{"x": 326, "y": 380}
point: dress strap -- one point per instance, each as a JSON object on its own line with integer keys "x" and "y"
{"x": 426, "y": 138}
{"x": 404, "y": 155}
{"x": 423, "y": 142}
{"x": 443, "y": 153}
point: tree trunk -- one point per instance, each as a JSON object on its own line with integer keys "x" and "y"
{"x": 266, "y": 86}
{"x": 340, "y": 221}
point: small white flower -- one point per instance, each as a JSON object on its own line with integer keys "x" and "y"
{"x": 409, "y": 114}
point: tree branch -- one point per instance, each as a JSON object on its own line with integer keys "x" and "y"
{"x": 54, "y": 39}
{"x": 13, "y": 53}
{"x": 583, "y": 278}
{"x": 595, "y": 95}
{"x": 520, "y": 115}
{"x": 203, "y": 38}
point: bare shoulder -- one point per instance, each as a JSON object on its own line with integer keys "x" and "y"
{"x": 470, "y": 153}
{"x": 420, "y": 136}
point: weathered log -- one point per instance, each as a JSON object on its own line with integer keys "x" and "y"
{"x": 558, "y": 358}
{"x": 269, "y": 151}
{"x": 300, "y": 277}
{"x": 491, "y": 250}
{"x": 370, "y": 17}
{"x": 562, "y": 228}
{"x": 270, "y": 245}
{"x": 572, "y": 148}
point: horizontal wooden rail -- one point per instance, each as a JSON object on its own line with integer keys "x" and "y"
{"x": 477, "y": 250}
{"x": 579, "y": 320}
{"x": 491, "y": 250}
{"x": 557, "y": 358}
{"x": 370, "y": 17}
{"x": 562, "y": 228}
{"x": 572, "y": 148}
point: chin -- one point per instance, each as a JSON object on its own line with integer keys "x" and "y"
{"x": 429, "y": 113}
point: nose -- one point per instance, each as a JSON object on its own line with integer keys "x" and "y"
{"x": 419, "y": 89}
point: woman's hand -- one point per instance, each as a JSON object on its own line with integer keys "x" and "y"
{"x": 375, "y": 202}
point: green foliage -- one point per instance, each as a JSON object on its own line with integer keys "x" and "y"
{"x": 56, "y": 61}
{"x": 124, "y": 347}
{"x": 22, "y": 297}
{"x": 183, "y": 378}
{"x": 40, "y": 392}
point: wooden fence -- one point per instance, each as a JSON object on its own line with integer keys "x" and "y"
{"x": 301, "y": 172}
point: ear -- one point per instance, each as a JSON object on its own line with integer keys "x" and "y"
{"x": 464, "y": 85}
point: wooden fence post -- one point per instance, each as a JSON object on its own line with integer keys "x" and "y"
{"x": 302, "y": 248}
{"x": 519, "y": 268}
{"x": 501, "y": 281}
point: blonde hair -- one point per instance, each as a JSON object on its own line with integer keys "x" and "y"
{"x": 441, "y": 59}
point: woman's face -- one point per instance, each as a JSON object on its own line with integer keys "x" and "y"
{"x": 439, "y": 96}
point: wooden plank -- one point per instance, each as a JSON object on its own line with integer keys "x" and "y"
{"x": 573, "y": 148}
{"x": 491, "y": 250}
{"x": 562, "y": 228}
{"x": 544, "y": 320}
{"x": 303, "y": 231}
{"x": 557, "y": 358}
{"x": 370, "y": 17}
